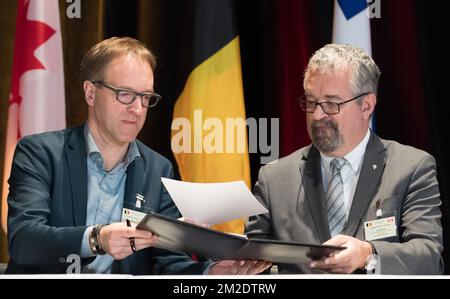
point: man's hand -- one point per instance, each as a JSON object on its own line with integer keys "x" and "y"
{"x": 239, "y": 267}
{"x": 347, "y": 260}
{"x": 114, "y": 239}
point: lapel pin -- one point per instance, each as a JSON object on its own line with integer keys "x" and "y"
{"x": 374, "y": 166}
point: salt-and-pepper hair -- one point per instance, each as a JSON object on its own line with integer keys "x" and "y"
{"x": 365, "y": 74}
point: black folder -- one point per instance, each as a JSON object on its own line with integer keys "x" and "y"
{"x": 182, "y": 236}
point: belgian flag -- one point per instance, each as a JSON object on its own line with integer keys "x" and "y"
{"x": 209, "y": 137}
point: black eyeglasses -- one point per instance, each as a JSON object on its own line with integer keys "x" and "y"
{"x": 126, "y": 96}
{"x": 329, "y": 108}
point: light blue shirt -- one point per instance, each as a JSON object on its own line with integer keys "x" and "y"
{"x": 105, "y": 192}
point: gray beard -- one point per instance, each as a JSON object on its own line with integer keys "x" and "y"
{"x": 328, "y": 141}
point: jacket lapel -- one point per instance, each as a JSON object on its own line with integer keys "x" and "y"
{"x": 135, "y": 181}
{"x": 75, "y": 153}
{"x": 134, "y": 184}
{"x": 312, "y": 182}
{"x": 371, "y": 170}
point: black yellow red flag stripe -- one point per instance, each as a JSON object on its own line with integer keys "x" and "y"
{"x": 209, "y": 138}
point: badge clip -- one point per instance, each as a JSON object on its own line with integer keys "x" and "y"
{"x": 379, "y": 212}
{"x": 139, "y": 200}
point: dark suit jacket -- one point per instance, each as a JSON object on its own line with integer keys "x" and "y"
{"x": 48, "y": 198}
{"x": 402, "y": 177}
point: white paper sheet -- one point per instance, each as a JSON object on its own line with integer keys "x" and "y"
{"x": 213, "y": 203}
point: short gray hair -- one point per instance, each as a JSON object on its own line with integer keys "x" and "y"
{"x": 365, "y": 74}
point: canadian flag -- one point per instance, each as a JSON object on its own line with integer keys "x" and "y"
{"x": 36, "y": 100}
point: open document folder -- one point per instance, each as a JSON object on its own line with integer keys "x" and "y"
{"x": 213, "y": 203}
{"x": 190, "y": 238}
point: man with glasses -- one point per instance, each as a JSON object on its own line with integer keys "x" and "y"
{"x": 377, "y": 198}
{"x": 71, "y": 190}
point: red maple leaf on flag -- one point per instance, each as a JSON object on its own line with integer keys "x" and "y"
{"x": 30, "y": 35}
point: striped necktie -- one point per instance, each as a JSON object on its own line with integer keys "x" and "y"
{"x": 337, "y": 216}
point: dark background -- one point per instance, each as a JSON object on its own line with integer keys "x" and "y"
{"x": 277, "y": 37}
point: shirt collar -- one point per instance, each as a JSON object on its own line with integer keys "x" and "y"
{"x": 132, "y": 154}
{"x": 91, "y": 147}
{"x": 354, "y": 157}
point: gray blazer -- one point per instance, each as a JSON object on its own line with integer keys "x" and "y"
{"x": 405, "y": 182}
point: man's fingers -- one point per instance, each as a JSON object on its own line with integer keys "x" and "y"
{"x": 135, "y": 233}
{"x": 142, "y": 243}
{"x": 252, "y": 267}
{"x": 262, "y": 266}
{"x": 240, "y": 267}
{"x": 138, "y": 233}
{"x": 325, "y": 263}
{"x": 336, "y": 240}
{"x": 245, "y": 267}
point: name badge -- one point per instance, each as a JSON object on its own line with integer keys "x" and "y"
{"x": 380, "y": 228}
{"x": 134, "y": 216}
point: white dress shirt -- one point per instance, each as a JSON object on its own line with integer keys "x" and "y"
{"x": 349, "y": 172}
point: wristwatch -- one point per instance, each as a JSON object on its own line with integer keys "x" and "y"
{"x": 372, "y": 261}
